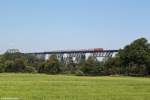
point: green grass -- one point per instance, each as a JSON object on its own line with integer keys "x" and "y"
{"x": 59, "y": 87}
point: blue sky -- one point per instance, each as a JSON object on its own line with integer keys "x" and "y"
{"x": 42, "y": 25}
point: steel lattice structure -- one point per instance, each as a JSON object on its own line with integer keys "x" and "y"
{"x": 77, "y": 54}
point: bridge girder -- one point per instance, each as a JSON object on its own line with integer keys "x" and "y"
{"x": 69, "y": 55}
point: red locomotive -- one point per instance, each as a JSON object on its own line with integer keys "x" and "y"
{"x": 98, "y": 49}
{"x": 95, "y": 49}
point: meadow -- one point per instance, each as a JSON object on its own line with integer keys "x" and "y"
{"x": 61, "y": 87}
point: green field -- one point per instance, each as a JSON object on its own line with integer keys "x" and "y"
{"x": 59, "y": 87}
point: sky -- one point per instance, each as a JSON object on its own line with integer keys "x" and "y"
{"x": 45, "y": 25}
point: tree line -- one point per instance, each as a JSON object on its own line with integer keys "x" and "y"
{"x": 132, "y": 60}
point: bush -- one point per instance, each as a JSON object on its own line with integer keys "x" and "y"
{"x": 19, "y": 65}
{"x": 9, "y": 66}
{"x": 1, "y": 68}
{"x": 70, "y": 68}
{"x": 92, "y": 67}
{"x": 41, "y": 68}
{"x": 15, "y": 66}
{"x": 29, "y": 69}
{"x": 79, "y": 73}
{"x": 52, "y": 66}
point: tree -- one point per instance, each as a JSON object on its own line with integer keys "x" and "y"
{"x": 15, "y": 66}
{"x": 112, "y": 66}
{"x": 1, "y": 67}
{"x": 12, "y": 56}
{"x": 136, "y": 56}
{"x": 32, "y": 60}
{"x": 71, "y": 67}
{"x": 9, "y": 66}
{"x": 41, "y": 68}
{"x": 52, "y": 66}
{"x": 92, "y": 67}
{"x": 19, "y": 65}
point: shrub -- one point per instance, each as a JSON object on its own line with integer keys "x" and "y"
{"x": 52, "y": 66}
{"x": 79, "y": 73}
{"x": 1, "y": 68}
{"x": 9, "y": 66}
{"x": 29, "y": 69}
{"x": 15, "y": 66}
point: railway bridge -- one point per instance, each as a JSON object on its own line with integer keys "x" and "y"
{"x": 76, "y": 55}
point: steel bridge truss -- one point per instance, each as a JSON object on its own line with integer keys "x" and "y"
{"x": 76, "y": 56}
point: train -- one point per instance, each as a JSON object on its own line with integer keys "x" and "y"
{"x": 81, "y": 50}
{"x": 98, "y": 49}
{"x": 95, "y": 49}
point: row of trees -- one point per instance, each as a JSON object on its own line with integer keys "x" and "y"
{"x": 133, "y": 59}
{"x": 28, "y": 63}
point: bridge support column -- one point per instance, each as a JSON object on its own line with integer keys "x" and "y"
{"x": 79, "y": 57}
{"x": 69, "y": 58}
{"x": 60, "y": 57}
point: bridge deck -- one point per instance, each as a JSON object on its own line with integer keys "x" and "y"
{"x": 75, "y": 51}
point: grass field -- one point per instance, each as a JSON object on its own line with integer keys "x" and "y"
{"x": 59, "y": 87}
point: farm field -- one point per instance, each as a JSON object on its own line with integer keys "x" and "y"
{"x": 61, "y": 87}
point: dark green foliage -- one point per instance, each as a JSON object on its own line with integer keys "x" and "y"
{"x": 79, "y": 73}
{"x": 92, "y": 67}
{"x": 136, "y": 57}
{"x": 137, "y": 52}
{"x": 1, "y": 67}
{"x": 112, "y": 66}
{"x": 52, "y": 66}
{"x": 133, "y": 60}
{"x": 41, "y": 68}
{"x": 12, "y": 57}
{"x": 9, "y": 66}
{"x": 29, "y": 69}
{"x": 71, "y": 68}
{"x": 15, "y": 66}
{"x": 19, "y": 65}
